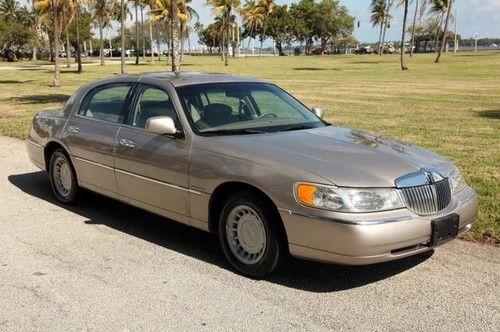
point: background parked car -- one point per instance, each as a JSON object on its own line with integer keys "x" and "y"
{"x": 364, "y": 50}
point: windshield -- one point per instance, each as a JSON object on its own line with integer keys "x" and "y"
{"x": 244, "y": 108}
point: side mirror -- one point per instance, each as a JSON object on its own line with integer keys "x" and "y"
{"x": 161, "y": 125}
{"x": 318, "y": 111}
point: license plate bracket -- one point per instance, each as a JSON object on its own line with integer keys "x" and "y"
{"x": 444, "y": 229}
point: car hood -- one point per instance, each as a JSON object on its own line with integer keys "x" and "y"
{"x": 344, "y": 157}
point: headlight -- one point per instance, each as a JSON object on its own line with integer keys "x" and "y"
{"x": 347, "y": 199}
{"x": 457, "y": 181}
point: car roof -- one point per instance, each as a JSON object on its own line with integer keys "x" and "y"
{"x": 191, "y": 78}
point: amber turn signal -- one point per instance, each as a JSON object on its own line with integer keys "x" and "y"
{"x": 305, "y": 193}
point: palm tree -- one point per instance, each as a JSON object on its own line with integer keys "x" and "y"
{"x": 388, "y": 18}
{"x": 403, "y": 34}
{"x": 122, "y": 33}
{"x": 136, "y": 8}
{"x": 186, "y": 14}
{"x": 225, "y": 8}
{"x": 168, "y": 10}
{"x": 449, "y": 4}
{"x": 151, "y": 4}
{"x": 253, "y": 19}
{"x": 267, "y": 7}
{"x": 102, "y": 13}
{"x": 413, "y": 28}
{"x": 57, "y": 7}
{"x": 377, "y": 17}
{"x": 438, "y": 8}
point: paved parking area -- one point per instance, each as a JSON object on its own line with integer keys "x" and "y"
{"x": 104, "y": 265}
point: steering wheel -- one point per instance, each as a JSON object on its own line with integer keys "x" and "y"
{"x": 267, "y": 115}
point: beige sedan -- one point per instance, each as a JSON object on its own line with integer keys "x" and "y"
{"x": 245, "y": 160}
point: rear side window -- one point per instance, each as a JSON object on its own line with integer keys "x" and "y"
{"x": 106, "y": 102}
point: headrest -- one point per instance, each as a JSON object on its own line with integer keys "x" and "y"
{"x": 217, "y": 110}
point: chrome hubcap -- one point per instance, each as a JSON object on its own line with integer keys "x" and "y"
{"x": 246, "y": 234}
{"x": 62, "y": 176}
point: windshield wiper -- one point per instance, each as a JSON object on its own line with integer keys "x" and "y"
{"x": 299, "y": 127}
{"x": 233, "y": 132}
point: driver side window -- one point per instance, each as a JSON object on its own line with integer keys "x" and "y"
{"x": 152, "y": 101}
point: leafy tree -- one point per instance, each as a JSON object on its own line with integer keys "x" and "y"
{"x": 15, "y": 40}
{"x": 210, "y": 36}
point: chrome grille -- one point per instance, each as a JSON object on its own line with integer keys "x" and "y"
{"x": 428, "y": 199}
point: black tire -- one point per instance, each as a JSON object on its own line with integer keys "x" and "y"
{"x": 274, "y": 248}
{"x": 69, "y": 195}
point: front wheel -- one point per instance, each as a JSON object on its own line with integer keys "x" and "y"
{"x": 249, "y": 236}
{"x": 62, "y": 177}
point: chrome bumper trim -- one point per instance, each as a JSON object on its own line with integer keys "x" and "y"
{"x": 348, "y": 222}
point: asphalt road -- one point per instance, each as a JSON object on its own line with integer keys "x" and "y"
{"x": 104, "y": 265}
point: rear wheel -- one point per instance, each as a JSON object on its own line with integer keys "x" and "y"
{"x": 62, "y": 177}
{"x": 249, "y": 236}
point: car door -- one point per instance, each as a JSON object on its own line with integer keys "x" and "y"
{"x": 91, "y": 132}
{"x": 151, "y": 168}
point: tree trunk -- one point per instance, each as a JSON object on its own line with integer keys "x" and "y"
{"x": 101, "y": 40}
{"x": 436, "y": 45}
{"x": 380, "y": 38}
{"x": 151, "y": 40}
{"x": 263, "y": 35}
{"x": 57, "y": 35}
{"x": 158, "y": 43}
{"x": 413, "y": 28}
{"x": 122, "y": 37}
{"x": 68, "y": 52}
{"x": 403, "y": 35}
{"x": 137, "y": 32}
{"x": 78, "y": 48}
{"x": 174, "y": 33}
{"x": 386, "y": 21}
{"x": 109, "y": 39}
{"x": 142, "y": 35}
{"x": 445, "y": 32}
{"x": 249, "y": 40}
{"x": 228, "y": 43}
{"x": 181, "y": 29}
{"x": 279, "y": 47}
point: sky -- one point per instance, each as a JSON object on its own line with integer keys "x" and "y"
{"x": 474, "y": 16}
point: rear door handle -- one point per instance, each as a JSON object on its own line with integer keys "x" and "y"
{"x": 127, "y": 143}
{"x": 73, "y": 129}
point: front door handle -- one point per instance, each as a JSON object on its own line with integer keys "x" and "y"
{"x": 73, "y": 129}
{"x": 127, "y": 143}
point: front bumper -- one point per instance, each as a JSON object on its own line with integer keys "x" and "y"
{"x": 359, "y": 239}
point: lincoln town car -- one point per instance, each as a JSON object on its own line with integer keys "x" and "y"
{"x": 245, "y": 160}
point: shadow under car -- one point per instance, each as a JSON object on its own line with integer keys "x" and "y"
{"x": 294, "y": 273}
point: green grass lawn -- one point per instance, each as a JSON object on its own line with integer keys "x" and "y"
{"x": 452, "y": 108}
